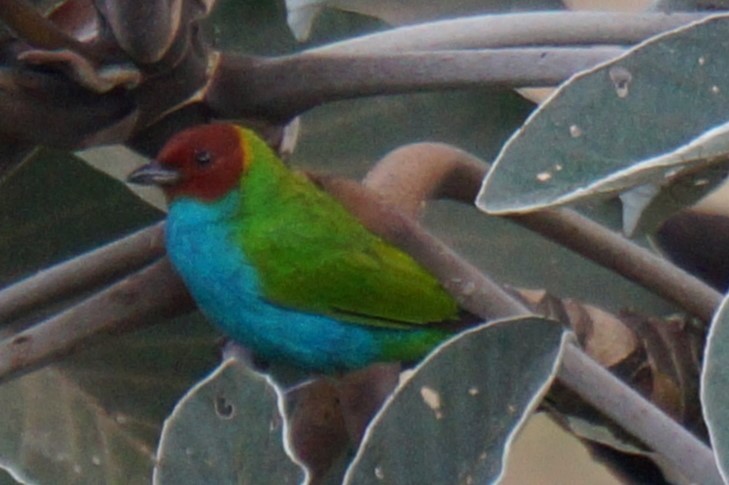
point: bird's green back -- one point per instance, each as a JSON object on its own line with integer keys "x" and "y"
{"x": 314, "y": 256}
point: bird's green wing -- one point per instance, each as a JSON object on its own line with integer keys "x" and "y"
{"x": 314, "y": 256}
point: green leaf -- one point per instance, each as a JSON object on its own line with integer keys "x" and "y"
{"x": 259, "y": 27}
{"x": 453, "y": 420}
{"x": 715, "y": 386}
{"x": 228, "y": 429}
{"x": 658, "y": 109}
{"x": 55, "y": 207}
{"x": 6, "y": 478}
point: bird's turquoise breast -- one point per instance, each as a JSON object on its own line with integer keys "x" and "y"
{"x": 202, "y": 247}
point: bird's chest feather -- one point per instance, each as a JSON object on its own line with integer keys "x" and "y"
{"x": 202, "y": 246}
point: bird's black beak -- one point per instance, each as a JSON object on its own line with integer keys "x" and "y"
{"x": 154, "y": 174}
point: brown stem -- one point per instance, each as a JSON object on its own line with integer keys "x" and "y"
{"x": 639, "y": 417}
{"x": 517, "y": 29}
{"x": 281, "y": 88}
{"x": 618, "y": 254}
{"x": 83, "y": 273}
{"x": 414, "y": 173}
{"x": 144, "y": 298}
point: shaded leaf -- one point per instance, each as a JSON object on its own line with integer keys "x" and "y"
{"x": 715, "y": 387}
{"x": 259, "y": 27}
{"x": 45, "y": 216}
{"x": 463, "y": 406}
{"x": 107, "y": 407}
{"x": 118, "y": 162}
{"x": 659, "y": 357}
{"x": 664, "y": 200}
{"x": 6, "y": 478}
{"x": 657, "y": 109}
{"x": 228, "y": 429}
{"x": 108, "y": 402}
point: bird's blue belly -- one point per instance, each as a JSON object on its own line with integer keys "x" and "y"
{"x": 226, "y": 288}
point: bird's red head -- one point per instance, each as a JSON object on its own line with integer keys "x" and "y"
{"x": 204, "y": 162}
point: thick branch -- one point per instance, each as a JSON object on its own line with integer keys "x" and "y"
{"x": 640, "y": 418}
{"x": 417, "y": 172}
{"x": 140, "y": 299}
{"x": 513, "y": 30}
{"x": 614, "y": 252}
{"x": 413, "y": 174}
{"x": 83, "y": 273}
{"x": 281, "y": 88}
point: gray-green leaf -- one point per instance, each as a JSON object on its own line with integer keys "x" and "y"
{"x": 228, "y": 429}
{"x": 659, "y": 109}
{"x": 453, "y": 420}
{"x": 715, "y": 387}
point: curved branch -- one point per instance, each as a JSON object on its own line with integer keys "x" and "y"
{"x": 82, "y": 273}
{"x": 417, "y": 172}
{"x": 513, "y": 30}
{"x": 281, "y": 88}
{"x": 409, "y": 176}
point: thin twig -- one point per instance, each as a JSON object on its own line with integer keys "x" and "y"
{"x": 273, "y": 88}
{"x": 83, "y": 273}
{"x": 517, "y": 29}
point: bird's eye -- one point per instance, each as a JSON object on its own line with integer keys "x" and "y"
{"x": 203, "y": 158}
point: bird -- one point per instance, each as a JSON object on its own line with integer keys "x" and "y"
{"x": 281, "y": 267}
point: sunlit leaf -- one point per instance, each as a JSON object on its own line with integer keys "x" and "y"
{"x": 453, "y": 420}
{"x": 659, "y": 108}
{"x": 118, "y": 162}
{"x": 228, "y": 429}
{"x": 715, "y": 387}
